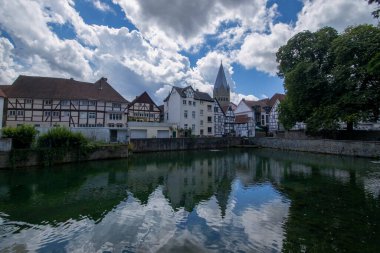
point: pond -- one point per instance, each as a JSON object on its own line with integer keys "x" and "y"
{"x": 234, "y": 200}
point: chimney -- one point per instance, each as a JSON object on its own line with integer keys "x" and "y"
{"x": 101, "y": 81}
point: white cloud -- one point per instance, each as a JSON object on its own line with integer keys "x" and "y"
{"x": 259, "y": 50}
{"x": 338, "y": 14}
{"x": 102, "y": 6}
{"x": 150, "y": 58}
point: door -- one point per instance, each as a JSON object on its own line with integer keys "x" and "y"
{"x": 162, "y": 133}
{"x": 138, "y": 134}
{"x": 113, "y": 135}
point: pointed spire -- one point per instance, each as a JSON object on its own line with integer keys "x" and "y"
{"x": 221, "y": 80}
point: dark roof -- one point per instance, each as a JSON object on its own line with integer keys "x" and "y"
{"x": 197, "y": 94}
{"x": 276, "y": 97}
{"x": 60, "y": 88}
{"x": 143, "y": 98}
{"x": 262, "y": 103}
{"x": 221, "y": 80}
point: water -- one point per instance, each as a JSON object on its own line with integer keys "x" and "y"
{"x": 207, "y": 201}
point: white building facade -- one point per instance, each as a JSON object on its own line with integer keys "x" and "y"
{"x": 191, "y": 110}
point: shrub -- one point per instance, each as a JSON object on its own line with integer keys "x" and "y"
{"x": 22, "y": 136}
{"x": 61, "y": 137}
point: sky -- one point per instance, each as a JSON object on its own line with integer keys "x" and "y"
{"x": 152, "y": 45}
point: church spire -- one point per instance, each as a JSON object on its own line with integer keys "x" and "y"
{"x": 221, "y": 88}
{"x": 221, "y": 80}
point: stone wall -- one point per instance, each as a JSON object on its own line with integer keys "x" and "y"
{"x": 5, "y": 144}
{"x": 30, "y": 157}
{"x": 151, "y": 145}
{"x": 337, "y": 147}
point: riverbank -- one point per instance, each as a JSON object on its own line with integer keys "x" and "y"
{"x": 173, "y": 144}
{"x": 369, "y": 149}
{"x": 45, "y": 157}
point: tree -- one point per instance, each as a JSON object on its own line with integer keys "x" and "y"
{"x": 330, "y": 78}
{"x": 375, "y": 13}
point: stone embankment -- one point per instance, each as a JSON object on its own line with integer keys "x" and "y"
{"x": 172, "y": 144}
{"x": 337, "y": 147}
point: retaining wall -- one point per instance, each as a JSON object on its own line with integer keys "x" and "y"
{"x": 169, "y": 144}
{"x": 337, "y": 147}
{"x": 29, "y": 157}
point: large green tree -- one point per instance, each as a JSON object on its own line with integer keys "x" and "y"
{"x": 330, "y": 78}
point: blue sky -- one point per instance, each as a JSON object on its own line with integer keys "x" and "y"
{"x": 151, "y": 45}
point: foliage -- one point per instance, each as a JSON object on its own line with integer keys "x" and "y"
{"x": 376, "y": 12}
{"x": 22, "y": 136}
{"x": 330, "y": 78}
{"x": 61, "y": 137}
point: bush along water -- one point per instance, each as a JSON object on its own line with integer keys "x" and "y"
{"x": 60, "y": 142}
{"x": 22, "y": 136}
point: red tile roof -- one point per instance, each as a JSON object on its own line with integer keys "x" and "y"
{"x": 60, "y": 88}
{"x": 143, "y": 98}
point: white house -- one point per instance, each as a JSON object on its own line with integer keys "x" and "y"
{"x": 190, "y": 109}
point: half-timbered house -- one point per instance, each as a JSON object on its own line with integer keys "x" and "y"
{"x": 143, "y": 109}
{"x": 45, "y": 102}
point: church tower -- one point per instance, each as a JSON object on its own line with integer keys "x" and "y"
{"x": 221, "y": 88}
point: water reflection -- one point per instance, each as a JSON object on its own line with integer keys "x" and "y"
{"x": 229, "y": 201}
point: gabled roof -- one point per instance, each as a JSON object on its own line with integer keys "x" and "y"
{"x": 143, "y": 98}
{"x": 221, "y": 80}
{"x": 197, "y": 94}
{"x": 60, "y": 88}
{"x": 275, "y": 97}
{"x": 221, "y": 108}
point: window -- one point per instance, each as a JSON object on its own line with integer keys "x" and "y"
{"x": 193, "y": 127}
{"x": 48, "y": 102}
{"x": 28, "y": 101}
{"x": 11, "y": 113}
{"x": 99, "y": 125}
{"x": 111, "y": 124}
{"x": 75, "y": 102}
{"x": 194, "y": 103}
{"x": 65, "y": 102}
{"x": 116, "y": 106}
{"x": 20, "y": 113}
{"x": 115, "y": 116}
{"x": 184, "y": 102}
{"x": 185, "y": 126}
{"x": 201, "y": 123}
{"x": 91, "y": 115}
{"x": 201, "y": 112}
{"x": 185, "y": 114}
{"x": 83, "y": 102}
{"x": 189, "y": 102}
{"x": 201, "y": 132}
{"x": 201, "y": 102}
{"x": 209, "y": 130}
{"x": 209, "y": 119}
{"x": 267, "y": 118}
{"x": 209, "y": 108}
{"x": 55, "y": 114}
{"x": 167, "y": 116}
{"x": 47, "y": 113}
{"x": 119, "y": 125}
{"x": 193, "y": 114}
{"x": 91, "y": 102}
{"x": 215, "y": 109}
{"x": 83, "y": 115}
{"x": 37, "y": 125}
{"x": 262, "y": 120}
